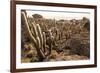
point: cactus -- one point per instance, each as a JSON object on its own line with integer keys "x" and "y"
{"x": 38, "y": 37}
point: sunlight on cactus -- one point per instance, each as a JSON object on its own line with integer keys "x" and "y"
{"x": 44, "y": 39}
{"x": 37, "y": 36}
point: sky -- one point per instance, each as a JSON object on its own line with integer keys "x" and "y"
{"x": 66, "y": 15}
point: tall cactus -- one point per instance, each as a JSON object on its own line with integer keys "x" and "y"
{"x": 38, "y": 37}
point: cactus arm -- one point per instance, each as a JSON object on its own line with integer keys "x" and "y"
{"x": 44, "y": 40}
{"x": 40, "y": 34}
{"x": 34, "y": 26}
{"x": 38, "y": 37}
{"x": 31, "y": 28}
{"x": 44, "y": 43}
{"x": 39, "y": 50}
{"x": 38, "y": 42}
{"x": 26, "y": 23}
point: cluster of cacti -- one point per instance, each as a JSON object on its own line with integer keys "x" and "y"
{"x": 38, "y": 37}
{"x": 51, "y": 37}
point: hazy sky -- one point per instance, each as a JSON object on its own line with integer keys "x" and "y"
{"x": 59, "y": 14}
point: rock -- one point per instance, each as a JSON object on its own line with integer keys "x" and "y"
{"x": 85, "y": 50}
{"x": 78, "y": 48}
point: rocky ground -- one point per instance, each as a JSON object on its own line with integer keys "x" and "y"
{"x": 71, "y": 40}
{"x": 66, "y": 55}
